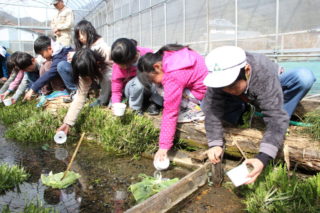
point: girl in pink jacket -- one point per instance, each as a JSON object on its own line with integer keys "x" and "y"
{"x": 177, "y": 69}
{"x": 125, "y": 55}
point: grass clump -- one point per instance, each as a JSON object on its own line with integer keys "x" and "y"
{"x": 17, "y": 112}
{"x": 37, "y": 128}
{"x": 11, "y": 176}
{"x": 313, "y": 118}
{"x": 276, "y": 191}
{"x": 128, "y": 135}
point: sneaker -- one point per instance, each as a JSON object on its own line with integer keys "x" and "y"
{"x": 70, "y": 98}
{"x": 138, "y": 112}
{"x": 190, "y": 115}
{"x": 95, "y": 103}
{"x": 153, "y": 109}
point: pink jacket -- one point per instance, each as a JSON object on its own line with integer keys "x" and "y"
{"x": 16, "y": 81}
{"x": 183, "y": 69}
{"x": 120, "y": 77}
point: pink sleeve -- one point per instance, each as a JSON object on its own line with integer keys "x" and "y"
{"x": 172, "y": 98}
{"x": 117, "y": 84}
{"x": 16, "y": 81}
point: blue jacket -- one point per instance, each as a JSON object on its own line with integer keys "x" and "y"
{"x": 53, "y": 72}
{"x": 3, "y": 61}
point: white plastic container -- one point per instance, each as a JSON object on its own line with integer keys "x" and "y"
{"x": 119, "y": 109}
{"x": 7, "y": 102}
{"x": 238, "y": 175}
{"x": 161, "y": 165}
{"x": 60, "y": 137}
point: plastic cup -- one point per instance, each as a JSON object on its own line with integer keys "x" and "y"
{"x": 7, "y": 102}
{"x": 119, "y": 109}
{"x": 238, "y": 175}
{"x": 161, "y": 165}
{"x": 60, "y": 137}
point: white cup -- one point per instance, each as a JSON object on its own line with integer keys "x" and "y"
{"x": 161, "y": 165}
{"x": 119, "y": 109}
{"x": 60, "y": 137}
{"x": 7, "y": 102}
{"x": 238, "y": 175}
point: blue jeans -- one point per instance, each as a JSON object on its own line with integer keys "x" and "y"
{"x": 134, "y": 91}
{"x": 295, "y": 85}
{"x": 65, "y": 71}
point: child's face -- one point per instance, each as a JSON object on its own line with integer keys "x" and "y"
{"x": 83, "y": 38}
{"x": 134, "y": 63}
{"x": 32, "y": 67}
{"x": 157, "y": 75}
{"x": 47, "y": 54}
{"x": 238, "y": 87}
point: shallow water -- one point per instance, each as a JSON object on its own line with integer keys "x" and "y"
{"x": 103, "y": 176}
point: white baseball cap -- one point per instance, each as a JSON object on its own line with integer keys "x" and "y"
{"x": 224, "y": 64}
{"x": 3, "y": 51}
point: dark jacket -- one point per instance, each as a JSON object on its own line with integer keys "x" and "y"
{"x": 53, "y": 72}
{"x": 264, "y": 91}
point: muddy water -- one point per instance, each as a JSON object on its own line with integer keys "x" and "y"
{"x": 103, "y": 176}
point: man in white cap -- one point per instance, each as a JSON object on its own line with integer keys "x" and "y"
{"x": 62, "y": 23}
{"x": 3, "y": 63}
{"x": 237, "y": 77}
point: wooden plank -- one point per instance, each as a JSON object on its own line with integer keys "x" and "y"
{"x": 168, "y": 198}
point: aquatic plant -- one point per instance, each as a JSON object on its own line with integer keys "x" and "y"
{"x": 38, "y": 208}
{"x": 313, "y": 118}
{"x": 277, "y": 191}
{"x": 11, "y": 176}
{"x": 149, "y": 186}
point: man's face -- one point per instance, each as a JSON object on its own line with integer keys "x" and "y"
{"x": 47, "y": 54}
{"x": 32, "y": 67}
{"x": 59, "y": 5}
{"x": 238, "y": 87}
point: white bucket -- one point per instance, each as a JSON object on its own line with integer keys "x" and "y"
{"x": 238, "y": 175}
{"x": 7, "y": 102}
{"x": 60, "y": 137}
{"x": 119, "y": 109}
{"x": 161, "y": 165}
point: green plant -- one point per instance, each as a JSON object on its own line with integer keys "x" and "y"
{"x": 313, "y": 118}
{"x": 37, "y": 208}
{"x": 11, "y": 176}
{"x": 277, "y": 191}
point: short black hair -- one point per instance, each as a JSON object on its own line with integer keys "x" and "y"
{"x": 123, "y": 51}
{"x": 11, "y": 62}
{"x": 41, "y": 43}
{"x": 24, "y": 60}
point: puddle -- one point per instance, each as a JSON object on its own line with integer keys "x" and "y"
{"x": 104, "y": 177}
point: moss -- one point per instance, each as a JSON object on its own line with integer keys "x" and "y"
{"x": 277, "y": 191}
{"x": 32, "y": 208}
{"x": 11, "y": 176}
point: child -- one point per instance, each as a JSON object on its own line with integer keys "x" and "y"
{"x": 85, "y": 35}
{"x": 13, "y": 70}
{"x": 4, "y": 75}
{"x": 49, "y": 50}
{"x": 175, "y": 68}
{"x": 125, "y": 55}
{"x": 87, "y": 66}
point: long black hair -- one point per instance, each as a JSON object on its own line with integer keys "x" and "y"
{"x": 88, "y": 63}
{"x": 85, "y": 27}
{"x": 146, "y": 62}
{"x": 123, "y": 50}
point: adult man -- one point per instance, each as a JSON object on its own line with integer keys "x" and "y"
{"x": 62, "y": 23}
{"x": 236, "y": 77}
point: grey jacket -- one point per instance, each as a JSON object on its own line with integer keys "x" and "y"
{"x": 264, "y": 90}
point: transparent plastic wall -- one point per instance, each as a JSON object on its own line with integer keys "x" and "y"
{"x": 270, "y": 26}
{"x": 21, "y": 24}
